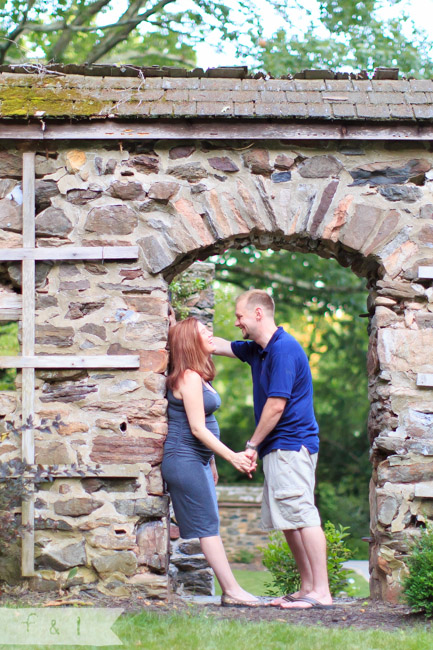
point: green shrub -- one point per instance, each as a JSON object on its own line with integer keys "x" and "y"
{"x": 243, "y": 556}
{"x": 182, "y": 289}
{"x": 278, "y": 559}
{"x": 418, "y": 586}
{"x": 9, "y": 346}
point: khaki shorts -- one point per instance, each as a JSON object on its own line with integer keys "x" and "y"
{"x": 288, "y": 491}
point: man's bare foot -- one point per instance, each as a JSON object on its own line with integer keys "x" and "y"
{"x": 312, "y": 599}
{"x": 288, "y": 598}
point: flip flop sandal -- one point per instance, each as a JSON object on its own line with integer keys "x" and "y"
{"x": 228, "y": 601}
{"x": 288, "y": 598}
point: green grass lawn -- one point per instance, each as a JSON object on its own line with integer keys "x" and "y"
{"x": 201, "y": 632}
{"x": 257, "y": 582}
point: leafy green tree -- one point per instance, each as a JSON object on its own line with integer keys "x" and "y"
{"x": 166, "y": 32}
{"x": 351, "y": 36}
{"x": 142, "y": 32}
{"x": 320, "y": 303}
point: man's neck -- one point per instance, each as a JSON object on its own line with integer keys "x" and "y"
{"x": 265, "y": 335}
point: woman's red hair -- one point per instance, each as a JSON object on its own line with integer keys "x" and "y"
{"x": 187, "y": 353}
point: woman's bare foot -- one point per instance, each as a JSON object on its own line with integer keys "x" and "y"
{"x": 241, "y": 594}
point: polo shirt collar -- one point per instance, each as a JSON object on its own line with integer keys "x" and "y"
{"x": 275, "y": 336}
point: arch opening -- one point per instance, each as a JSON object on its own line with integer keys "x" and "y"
{"x": 324, "y": 306}
{"x": 383, "y": 246}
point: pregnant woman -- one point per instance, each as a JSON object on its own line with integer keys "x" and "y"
{"x": 188, "y": 466}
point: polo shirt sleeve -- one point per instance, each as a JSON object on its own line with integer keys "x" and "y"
{"x": 282, "y": 373}
{"x": 242, "y": 349}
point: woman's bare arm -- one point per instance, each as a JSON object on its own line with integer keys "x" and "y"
{"x": 191, "y": 391}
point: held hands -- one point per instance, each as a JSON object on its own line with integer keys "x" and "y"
{"x": 244, "y": 463}
{"x": 251, "y": 453}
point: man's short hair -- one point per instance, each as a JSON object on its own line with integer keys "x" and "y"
{"x": 258, "y": 298}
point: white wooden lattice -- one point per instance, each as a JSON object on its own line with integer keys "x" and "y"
{"x": 423, "y": 378}
{"x": 13, "y": 307}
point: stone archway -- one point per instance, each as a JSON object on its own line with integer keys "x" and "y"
{"x": 309, "y": 202}
{"x": 368, "y": 208}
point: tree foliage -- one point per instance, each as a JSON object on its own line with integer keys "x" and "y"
{"x": 345, "y": 33}
{"x": 352, "y": 35}
{"x": 143, "y": 32}
{"x": 320, "y": 303}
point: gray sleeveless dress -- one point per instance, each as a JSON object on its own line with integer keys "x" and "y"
{"x": 187, "y": 472}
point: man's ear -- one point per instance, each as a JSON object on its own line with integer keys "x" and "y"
{"x": 259, "y": 313}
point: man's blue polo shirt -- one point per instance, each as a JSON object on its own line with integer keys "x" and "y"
{"x": 282, "y": 370}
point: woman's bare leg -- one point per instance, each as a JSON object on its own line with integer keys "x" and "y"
{"x": 213, "y": 550}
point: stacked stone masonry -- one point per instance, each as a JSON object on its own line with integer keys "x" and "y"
{"x": 367, "y": 204}
{"x": 239, "y": 508}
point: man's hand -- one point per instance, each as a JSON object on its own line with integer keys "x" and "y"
{"x": 243, "y": 463}
{"x": 252, "y": 454}
{"x": 223, "y": 347}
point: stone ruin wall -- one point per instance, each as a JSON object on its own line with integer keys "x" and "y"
{"x": 369, "y": 205}
{"x": 240, "y": 508}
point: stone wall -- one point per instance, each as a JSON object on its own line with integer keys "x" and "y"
{"x": 115, "y": 530}
{"x": 369, "y": 205}
{"x": 239, "y": 508}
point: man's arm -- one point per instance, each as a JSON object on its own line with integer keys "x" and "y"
{"x": 271, "y": 414}
{"x": 223, "y": 347}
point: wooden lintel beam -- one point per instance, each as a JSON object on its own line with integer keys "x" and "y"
{"x": 424, "y": 379}
{"x": 425, "y": 272}
{"x": 10, "y": 306}
{"x": 211, "y": 129}
{"x": 66, "y": 361}
{"x": 70, "y": 253}
{"x": 7, "y": 315}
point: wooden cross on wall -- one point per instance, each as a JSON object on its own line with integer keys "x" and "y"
{"x": 28, "y": 361}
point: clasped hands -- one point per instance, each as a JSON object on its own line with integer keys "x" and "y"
{"x": 246, "y": 462}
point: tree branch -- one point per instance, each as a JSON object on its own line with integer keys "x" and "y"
{"x": 109, "y": 41}
{"x": 11, "y": 38}
{"x": 286, "y": 281}
{"x": 84, "y": 14}
{"x": 60, "y": 25}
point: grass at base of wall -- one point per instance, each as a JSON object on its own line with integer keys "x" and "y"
{"x": 194, "y": 631}
{"x": 257, "y": 582}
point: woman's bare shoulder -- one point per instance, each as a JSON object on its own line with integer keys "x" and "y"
{"x": 190, "y": 380}
{"x": 189, "y": 384}
{"x": 190, "y": 377}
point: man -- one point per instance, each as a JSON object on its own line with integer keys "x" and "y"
{"x": 286, "y": 438}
